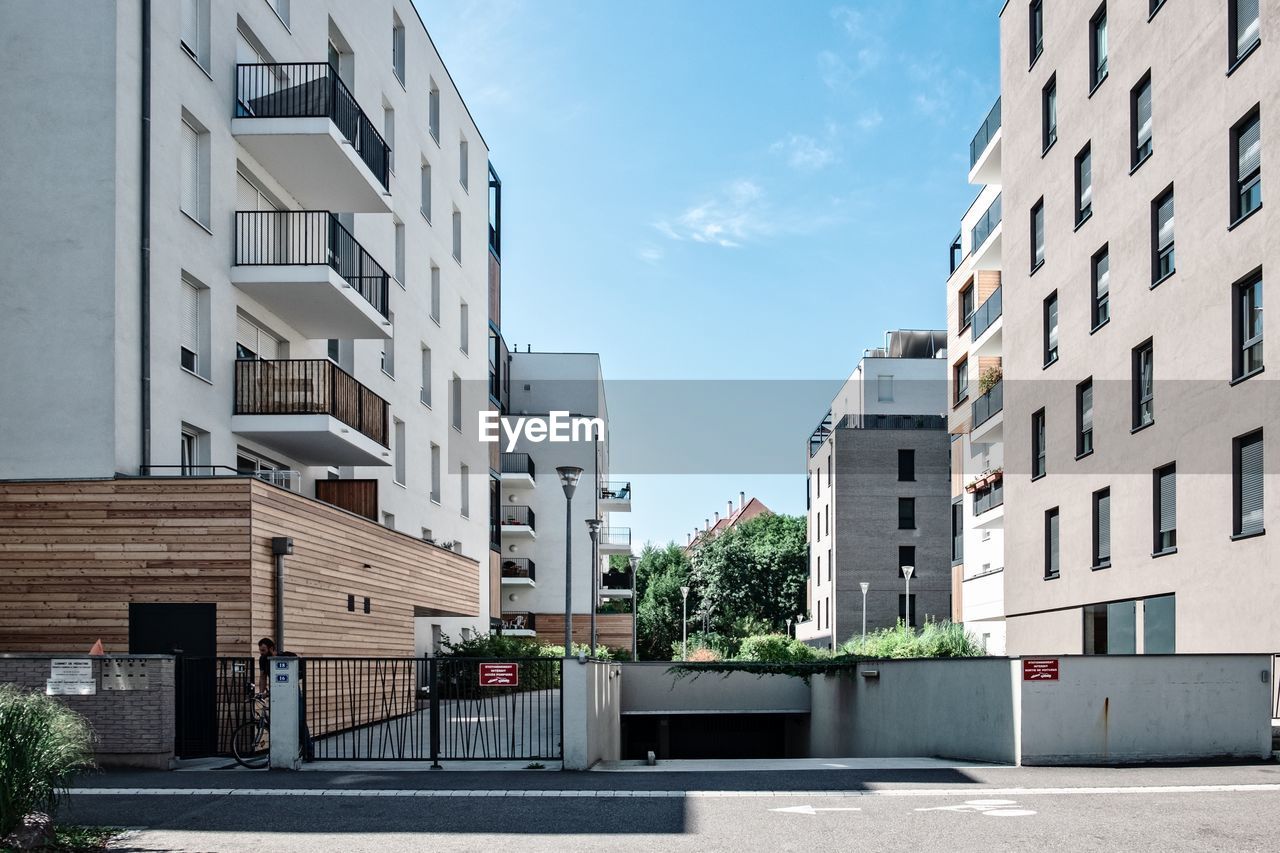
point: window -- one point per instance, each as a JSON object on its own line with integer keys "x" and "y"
{"x": 1247, "y": 358}
{"x": 457, "y": 235}
{"x": 194, "y": 30}
{"x": 433, "y": 112}
{"x": 397, "y": 47}
{"x": 193, "y": 179}
{"x": 960, "y": 381}
{"x": 910, "y": 616}
{"x": 1143, "y": 385}
{"x": 1036, "y": 26}
{"x": 1049, "y": 113}
{"x": 435, "y": 473}
{"x": 464, "y": 330}
{"x": 400, "y": 271}
{"x": 1051, "y": 328}
{"x": 435, "y": 293}
{"x": 1101, "y": 287}
{"x": 1248, "y": 484}
{"x": 389, "y": 135}
{"x": 281, "y": 8}
{"x": 193, "y": 451}
{"x": 389, "y": 521}
{"x": 819, "y": 559}
{"x": 1162, "y": 258}
{"x": 1051, "y": 563}
{"x": 1038, "y": 460}
{"x": 906, "y": 513}
{"x": 1101, "y": 528}
{"x": 194, "y": 330}
{"x": 1165, "y": 509}
{"x": 1037, "y": 235}
{"x": 966, "y": 306}
{"x": 1244, "y": 31}
{"x": 464, "y": 165}
{"x": 906, "y": 465}
{"x": 425, "y": 204}
{"x": 1110, "y": 629}
{"x": 957, "y": 532}
{"x": 1246, "y": 155}
{"x": 389, "y": 348}
{"x": 455, "y": 397}
{"x": 907, "y": 557}
{"x": 1158, "y": 625}
{"x": 400, "y": 450}
{"x": 884, "y": 388}
{"x": 1084, "y": 418}
{"x": 425, "y": 393}
{"x": 1098, "y": 48}
{"x": 1084, "y": 185}
{"x": 464, "y": 478}
{"x": 255, "y": 342}
{"x": 1140, "y": 121}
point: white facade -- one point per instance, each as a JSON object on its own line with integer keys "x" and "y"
{"x": 248, "y": 129}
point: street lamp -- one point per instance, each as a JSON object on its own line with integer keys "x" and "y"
{"x": 788, "y": 627}
{"x": 684, "y": 623}
{"x": 865, "y": 586}
{"x": 906, "y": 573}
{"x": 593, "y": 529}
{"x": 635, "y": 648}
{"x": 569, "y": 475}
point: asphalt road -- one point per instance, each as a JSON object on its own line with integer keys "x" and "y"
{"x": 1234, "y": 808}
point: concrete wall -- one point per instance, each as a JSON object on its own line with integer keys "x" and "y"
{"x": 932, "y": 708}
{"x": 592, "y": 702}
{"x": 1109, "y": 710}
{"x": 131, "y": 727}
{"x": 647, "y": 688}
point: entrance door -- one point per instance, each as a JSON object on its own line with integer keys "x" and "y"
{"x": 190, "y": 632}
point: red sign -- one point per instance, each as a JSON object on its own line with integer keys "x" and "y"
{"x": 499, "y": 674}
{"x": 1040, "y": 669}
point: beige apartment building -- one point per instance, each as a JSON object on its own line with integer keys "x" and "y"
{"x": 1135, "y": 404}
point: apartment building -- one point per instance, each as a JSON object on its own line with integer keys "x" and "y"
{"x": 533, "y": 506}
{"x": 258, "y": 240}
{"x": 1136, "y": 407}
{"x": 878, "y": 496}
{"x": 976, "y": 394}
{"x": 733, "y": 516}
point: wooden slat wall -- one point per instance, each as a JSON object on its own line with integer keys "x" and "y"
{"x": 986, "y": 282}
{"x": 612, "y": 629}
{"x": 358, "y": 496}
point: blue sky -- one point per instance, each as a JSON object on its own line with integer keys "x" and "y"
{"x": 723, "y": 189}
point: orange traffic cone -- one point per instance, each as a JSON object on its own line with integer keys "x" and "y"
{"x": 97, "y": 650}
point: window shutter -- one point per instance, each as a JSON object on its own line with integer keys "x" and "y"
{"x": 190, "y": 319}
{"x": 1246, "y": 25}
{"x": 1168, "y": 501}
{"x": 1144, "y": 115}
{"x": 1053, "y": 543}
{"x": 246, "y": 334}
{"x": 190, "y": 175}
{"x": 190, "y": 33}
{"x": 1052, "y": 320}
{"x": 426, "y": 191}
{"x": 1086, "y": 408}
{"x": 1104, "y": 275}
{"x": 1250, "y": 145}
{"x": 1104, "y": 527}
{"x": 1251, "y": 485}
{"x": 1039, "y": 234}
{"x": 1086, "y": 181}
{"x": 1164, "y": 223}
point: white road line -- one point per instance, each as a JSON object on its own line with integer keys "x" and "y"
{"x": 795, "y": 795}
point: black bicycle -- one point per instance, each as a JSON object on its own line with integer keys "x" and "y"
{"x": 251, "y": 741}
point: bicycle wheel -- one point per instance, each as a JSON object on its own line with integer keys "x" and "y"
{"x": 251, "y": 744}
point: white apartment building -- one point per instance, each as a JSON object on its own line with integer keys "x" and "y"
{"x": 249, "y": 236}
{"x": 976, "y": 394}
{"x": 533, "y": 505}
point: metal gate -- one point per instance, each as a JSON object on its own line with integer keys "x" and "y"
{"x": 437, "y": 709}
{"x": 211, "y": 698}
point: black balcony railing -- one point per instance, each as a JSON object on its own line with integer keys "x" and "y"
{"x": 519, "y": 567}
{"x": 990, "y": 403}
{"x": 983, "y": 227}
{"x": 311, "y": 90}
{"x": 518, "y": 622}
{"x": 298, "y": 237}
{"x": 314, "y": 386}
{"x": 892, "y": 422}
{"x": 615, "y": 490}
{"x": 518, "y": 463}
{"x": 513, "y": 515}
{"x": 988, "y": 498}
{"x": 615, "y": 536}
{"x": 617, "y": 580}
{"x": 988, "y": 312}
{"x": 982, "y": 138}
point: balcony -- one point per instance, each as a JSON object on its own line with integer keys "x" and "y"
{"x": 615, "y": 584}
{"x": 301, "y": 122}
{"x": 519, "y": 571}
{"x": 358, "y": 496}
{"x": 988, "y": 422}
{"x": 310, "y": 410}
{"x": 986, "y": 237}
{"x": 519, "y": 624}
{"x": 988, "y": 497}
{"x": 518, "y": 522}
{"x": 984, "y": 150}
{"x": 615, "y": 496}
{"x": 987, "y": 327}
{"x": 518, "y": 470}
{"x": 615, "y": 540}
{"x": 305, "y": 267}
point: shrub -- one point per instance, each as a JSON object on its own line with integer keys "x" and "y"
{"x": 42, "y": 744}
{"x": 934, "y": 640}
{"x": 704, "y": 655}
{"x": 774, "y": 648}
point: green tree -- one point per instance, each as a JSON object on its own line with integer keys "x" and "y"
{"x": 753, "y": 573}
{"x": 659, "y": 575}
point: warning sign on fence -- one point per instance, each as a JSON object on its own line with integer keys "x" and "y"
{"x": 499, "y": 674}
{"x": 1040, "y": 669}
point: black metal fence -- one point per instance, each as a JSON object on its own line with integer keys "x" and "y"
{"x": 211, "y": 698}
{"x": 437, "y": 709}
{"x": 311, "y": 90}
{"x": 519, "y": 567}
{"x": 516, "y": 514}
{"x": 304, "y": 237}
{"x": 518, "y": 463}
{"x": 309, "y": 386}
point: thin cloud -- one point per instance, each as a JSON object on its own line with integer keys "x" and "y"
{"x": 740, "y": 214}
{"x": 651, "y": 254}
{"x": 804, "y": 153}
{"x": 870, "y": 119}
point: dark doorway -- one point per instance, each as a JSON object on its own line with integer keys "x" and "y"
{"x": 682, "y": 736}
{"x": 190, "y": 633}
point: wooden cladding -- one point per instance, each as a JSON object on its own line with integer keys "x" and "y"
{"x": 986, "y": 282}
{"x": 358, "y": 496}
{"x": 313, "y": 386}
{"x": 612, "y": 629}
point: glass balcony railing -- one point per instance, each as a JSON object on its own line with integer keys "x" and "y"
{"x": 989, "y": 404}
{"x": 982, "y": 138}
{"x": 987, "y": 314}
{"x": 983, "y": 227}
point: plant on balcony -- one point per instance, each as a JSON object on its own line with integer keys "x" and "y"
{"x": 989, "y": 377}
{"x": 986, "y": 478}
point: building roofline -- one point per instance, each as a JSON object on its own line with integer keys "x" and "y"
{"x": 447, "y": 73}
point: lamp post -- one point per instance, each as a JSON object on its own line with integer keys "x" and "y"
{"x": 865, "y": 586}
{"x": 788, "y": 627}
{"x": 593, "y": 529}
{"x": 635, "y": 648}
{"x": 569, "y": 475}
{"x": 684, "y": 623}
{"x": 906, "y": 573}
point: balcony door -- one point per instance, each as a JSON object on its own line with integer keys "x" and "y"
{"x": 255, "y": 342}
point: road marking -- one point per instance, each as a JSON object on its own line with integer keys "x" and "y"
{"x": 993, "y": 808}
{"x": 810, "y": 810}
{"x": 696, "y": 794}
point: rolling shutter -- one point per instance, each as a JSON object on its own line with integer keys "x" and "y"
{"x": 1168, "y": 500}
{"x": 190, "y": 32}
{"x": 1247, "y": 32}
{"x": 1144, "y": 115}
{"x": 1104, "y": 276}
{"x": 1251, "y": 520}
{"x": 190, "y": 174}
{"x": 190, "y": 319}
{"x": 1039, "y": 234}
{"x": 1164, "y": 223}
{"x": 1250, "y": 145}
{"x": 1086, "y": 181}
{"x": 261, "y": 343}
{"x": 1051, "y": 544}
{"x": 1103, "y": 521}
